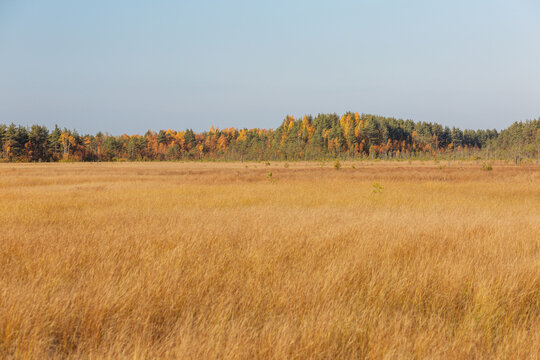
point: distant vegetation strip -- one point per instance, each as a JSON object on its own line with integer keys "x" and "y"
{"x": 326, "y": 136}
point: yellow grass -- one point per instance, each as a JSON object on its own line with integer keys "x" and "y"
{"x": 203, "y": 260}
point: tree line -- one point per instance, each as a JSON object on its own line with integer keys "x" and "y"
{"x": 325, "y": 136}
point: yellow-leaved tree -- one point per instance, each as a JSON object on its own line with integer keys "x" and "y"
{"x": 67, "y": 142}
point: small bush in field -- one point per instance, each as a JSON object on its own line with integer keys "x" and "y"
{"x": 376, "y": 188}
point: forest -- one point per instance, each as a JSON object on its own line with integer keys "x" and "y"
{"x": 351, "y": 136}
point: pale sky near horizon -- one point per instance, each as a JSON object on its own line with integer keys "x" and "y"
{"x": 129, "y": 66}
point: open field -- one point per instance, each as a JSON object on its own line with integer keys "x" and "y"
{"x": 220, "y": 260}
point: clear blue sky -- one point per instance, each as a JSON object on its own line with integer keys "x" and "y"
{"x": 128, "y": 66}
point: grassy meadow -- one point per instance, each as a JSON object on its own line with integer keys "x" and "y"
{"x": 386, "y": 260}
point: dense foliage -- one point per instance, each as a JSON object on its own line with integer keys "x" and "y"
{"x": 352, "y": 135}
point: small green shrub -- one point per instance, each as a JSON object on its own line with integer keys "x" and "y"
{"x": 486, "y": 166}
{"x": 376, "y": 188}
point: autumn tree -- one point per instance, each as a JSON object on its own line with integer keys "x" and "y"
{"x": 67, "y": 141}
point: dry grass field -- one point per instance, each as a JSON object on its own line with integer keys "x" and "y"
{"x": 221, "y": 260}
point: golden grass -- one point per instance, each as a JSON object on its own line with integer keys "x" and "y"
{"x": 214, "y": 260}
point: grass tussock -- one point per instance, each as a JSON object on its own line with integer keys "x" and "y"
{"x": 199, "y": 260}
